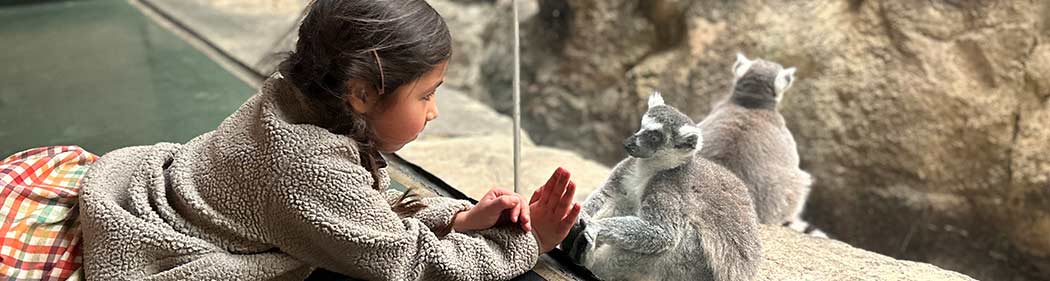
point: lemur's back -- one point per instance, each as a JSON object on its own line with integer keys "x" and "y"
{"x": 756, "y": 145}
{"x": 716, "y": 190}
{"x": 720, "y": 210}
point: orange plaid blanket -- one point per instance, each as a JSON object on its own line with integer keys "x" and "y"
{"x": 38, "y": 219}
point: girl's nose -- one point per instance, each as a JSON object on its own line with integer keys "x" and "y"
{"x": 433, "y": 113}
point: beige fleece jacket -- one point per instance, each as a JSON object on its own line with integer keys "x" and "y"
{"x": 268, "y": 197}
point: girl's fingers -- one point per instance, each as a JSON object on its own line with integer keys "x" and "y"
{"x": 500, "y": 191}
{"x": 540, "y": 194}
{"x": 516, "y": 212}
{"x": 535, "y": 195}
{"x": 551, "y": 183}
{"x": 570, "y": 218}
{"x": 559, "y": 187}
{"x": 553, "y": 179}
{"x": 566, "y": 200}
{"x": 526, "y": 218}
{"x": 504, "y": 202}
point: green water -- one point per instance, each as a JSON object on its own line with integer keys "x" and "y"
{"x": 101, "y": 75}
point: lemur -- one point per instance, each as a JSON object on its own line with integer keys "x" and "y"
{"x": 666, "y": 213}
{"x": 746, "y": 134}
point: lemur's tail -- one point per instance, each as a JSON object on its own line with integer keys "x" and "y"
{"x": 805, "y": 228}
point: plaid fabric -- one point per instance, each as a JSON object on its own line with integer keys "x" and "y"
{"x": 38, "y": 219}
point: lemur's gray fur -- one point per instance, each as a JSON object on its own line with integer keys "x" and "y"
{"x": 746, "y": 134}
{"x": 666, "y": 213}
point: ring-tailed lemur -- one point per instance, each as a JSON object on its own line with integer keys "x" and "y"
{"x": 746, "y": 134}
{"x": 666, "y": 213}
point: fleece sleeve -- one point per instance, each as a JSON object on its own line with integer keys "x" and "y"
{"x": 439, "y": 211}
{"x": 331, "y": 217}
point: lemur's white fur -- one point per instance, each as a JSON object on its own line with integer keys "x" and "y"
{"x": 648, "y": 123}
{"x": 741, "y": 66}
{"x": 693, "y": 130}
{"x": 655, "y": 99}
{"x": 784, "y": 79}
{"x": 639, "y": 175}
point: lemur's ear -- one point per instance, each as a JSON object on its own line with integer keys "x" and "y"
{"x": 655, "y": 99}
{"x": 741, "y": 66}
{"x": 784, "y": 79}
{"x": 689, "y": 137}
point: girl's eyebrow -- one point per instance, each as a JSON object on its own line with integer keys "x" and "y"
{"x": 436, "y": 85}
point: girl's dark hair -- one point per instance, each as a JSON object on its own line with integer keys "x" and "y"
{"x": 385, "y": 43}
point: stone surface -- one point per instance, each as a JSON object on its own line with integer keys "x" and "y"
{"x": 923, "y": 122}
{"x": 789, "y": 255}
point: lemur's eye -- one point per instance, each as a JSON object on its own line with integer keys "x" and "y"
{"x": 654, "y": 137}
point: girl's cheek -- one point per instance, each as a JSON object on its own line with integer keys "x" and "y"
{"x": 416, "y": 119}
{"x": 408, "y": 125}
{"x": 398, "y": 127}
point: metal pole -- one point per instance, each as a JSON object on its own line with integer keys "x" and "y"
{"x": 517, "y": 101}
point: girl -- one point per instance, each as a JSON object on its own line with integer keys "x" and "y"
{"x": 293, "y": 180}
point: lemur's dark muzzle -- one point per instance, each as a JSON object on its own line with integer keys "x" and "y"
{"x": 635, "y": 149}
{"x": 630, "y": 144}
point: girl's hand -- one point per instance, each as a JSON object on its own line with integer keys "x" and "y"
{"x": 488, "y": 211}
{"x": 553, "y": 210}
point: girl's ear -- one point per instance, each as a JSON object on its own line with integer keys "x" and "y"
{"x": 360, "y": 96}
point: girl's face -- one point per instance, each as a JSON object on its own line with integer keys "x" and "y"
{"x": 400, "y": 118}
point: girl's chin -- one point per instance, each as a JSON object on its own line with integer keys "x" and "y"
{"x": 391, "y": 148}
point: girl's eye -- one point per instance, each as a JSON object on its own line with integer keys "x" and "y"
{"x": 428, "y": 96}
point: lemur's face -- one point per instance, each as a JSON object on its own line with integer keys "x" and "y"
{"x": 664, "y": 131}
{"x": 762, "y": 77}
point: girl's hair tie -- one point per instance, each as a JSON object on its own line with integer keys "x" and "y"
{"x": 382, "y": 78}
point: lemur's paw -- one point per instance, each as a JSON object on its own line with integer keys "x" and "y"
{"x": 805, "y": 228}
{"x": 586, "y": 244}
{"x": 577, "y": 242}
{"x": 817, "y": 233}
{"x": 574, "y": 232}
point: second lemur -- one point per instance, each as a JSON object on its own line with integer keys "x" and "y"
{"x": 746, "y": 134}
